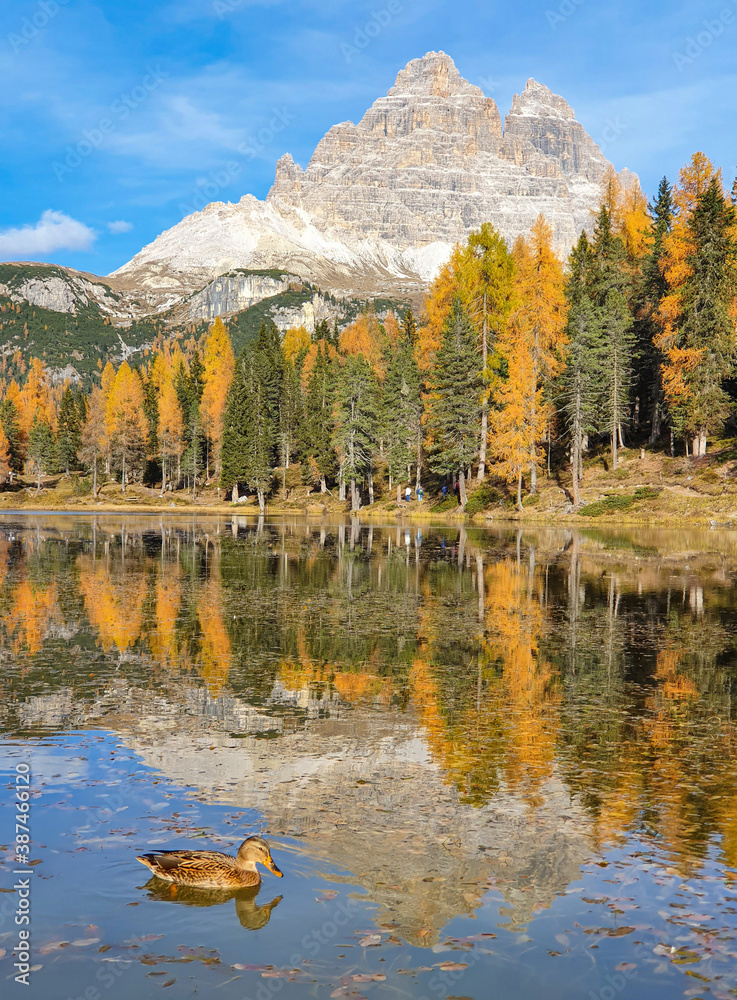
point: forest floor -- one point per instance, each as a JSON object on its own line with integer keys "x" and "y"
{"x": 647, "y": 488}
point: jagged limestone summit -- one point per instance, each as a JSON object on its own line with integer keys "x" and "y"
{"x": 382, "y": 202}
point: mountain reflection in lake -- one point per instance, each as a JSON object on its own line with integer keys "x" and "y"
{"x": 476, "y": 754}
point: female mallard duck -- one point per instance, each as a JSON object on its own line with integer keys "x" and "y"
{"x": 212, "y": 869}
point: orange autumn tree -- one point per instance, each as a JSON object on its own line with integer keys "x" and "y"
{"x": 95, "y": 442}
{"x": 4, "y": 456}
{"x": 364, "y": 337}
{"x": 126, "y": 423}
{"x": 219, "y": 362}
{"x": 35, "y": 401}
{"x": 170, "y": 431}
{"x": 436, "y": 310}
{"x": 531, "y": 342}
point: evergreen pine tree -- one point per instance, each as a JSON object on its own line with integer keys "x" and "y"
{"x": 356, "y": 422}
{"x": 705, "y": 352}
{"x": 192, "y": 459}
{"x": 608, "y": 284}
{"x": 41, "y": 450}
{"x": 196, "y": 378}
{"x": 654, "y": 288}
{"x": 10, "y": 425}
{"x": 290, "y": 413}
{"x": 236, "y": 423}
{"x": 580, "y": 381}
{"x": 454, "y": 405}
{"x": 68, "y": 439}
{"x": 317, "y": 450}
{"x": 401, "y": 407}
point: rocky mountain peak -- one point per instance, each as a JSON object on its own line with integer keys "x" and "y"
{"x": 434, "y": 75}
{"x": 538, "y": 101}
{"x": 382, "y": 202}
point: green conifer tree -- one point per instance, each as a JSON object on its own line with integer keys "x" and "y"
{"x": 454, "y": 405}
{"x": 401, "y": 407}
{"x": 68, "y": 438}
{"x": 41, "y": 450}
{"x": 317, "y": 450}
{"x": 236, "y": 423}
{"x": 706, "y": 328}
{"x": 356, "y": 422}
{"x": 9, "y": 422}
{"x": 579, "y": 385}
{"x": 609, "y": 290}
{"x": 654, "y": 288}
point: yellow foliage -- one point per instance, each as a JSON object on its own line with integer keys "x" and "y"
{"x": 296, "y": 339}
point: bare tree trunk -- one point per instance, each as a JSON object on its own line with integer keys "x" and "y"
{"x": 94, "y": 478}
{"x": 399, "y": 493}
{"x": 615, "y": 422}
{"x": 462, "y": 489}
{"x": 533, "y": 478}
{"x": 261, "y": 501}
{"x": 519, "y": 490}
{"x": 484, "y": 400}
{"x": 371, "y": 487}
{"x": 234, "y": 493}
{"x": 355, "y": 496}
{"x": 657, "y": 411}
{"x": 323, "y": 485}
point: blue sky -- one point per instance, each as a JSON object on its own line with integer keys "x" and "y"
{"x": 119, "y": 116}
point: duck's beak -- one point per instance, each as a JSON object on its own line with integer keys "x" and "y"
{"x": 272, "y": 867}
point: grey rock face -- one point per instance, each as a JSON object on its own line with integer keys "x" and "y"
{"x": 233, "y": 293}
{"x": 61, "y": 290}
{"x": 382, "y": 202}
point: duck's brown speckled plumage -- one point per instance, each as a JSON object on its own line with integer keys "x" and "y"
{"x": 213, "y": 869}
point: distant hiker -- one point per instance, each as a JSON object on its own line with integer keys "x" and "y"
{"x": 408, "y": 494}
{"x": 420, "y": 494}
{"x": 444, "y": 491}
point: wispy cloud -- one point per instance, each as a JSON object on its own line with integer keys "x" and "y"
{"x": 54, "y": 231}
{"x": 120, "y": 226}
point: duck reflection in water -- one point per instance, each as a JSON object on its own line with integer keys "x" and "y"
{"x": 251, "y": 916}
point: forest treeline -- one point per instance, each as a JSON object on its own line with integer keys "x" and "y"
{"x": 518, "y": 363}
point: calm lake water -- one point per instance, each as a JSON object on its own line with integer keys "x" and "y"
{"x": 490, "y": 763}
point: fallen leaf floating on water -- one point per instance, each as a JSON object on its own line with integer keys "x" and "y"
{"x": 85, "y": 942}
{"x": 450, "y": 966}
{"x": 370, "y": 941}
{"x": 326, "y": 896}
{"x": 46, "y": 949}
{"x": 242, "y": 967}
{"x": 169, "y": 982}
{"x": 368, "y": 977}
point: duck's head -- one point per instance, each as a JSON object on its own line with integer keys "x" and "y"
{"x": 254, "y": 850}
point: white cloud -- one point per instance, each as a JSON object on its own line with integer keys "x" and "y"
{"x": 120, "y": 226}
{"x": 54, "y": 231}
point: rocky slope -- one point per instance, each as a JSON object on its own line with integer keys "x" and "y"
{"x": 382, "y": 202}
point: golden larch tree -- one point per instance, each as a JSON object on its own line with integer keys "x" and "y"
{"x": 170, "y": 431}
{"x": 126, "y": 422}
{"x": 532, "y": 343}
{"x": 219, "y": 362}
